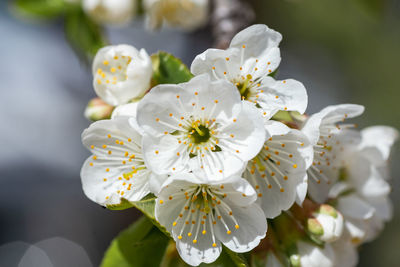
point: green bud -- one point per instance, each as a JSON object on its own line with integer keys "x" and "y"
{"x": 314, "y": 227}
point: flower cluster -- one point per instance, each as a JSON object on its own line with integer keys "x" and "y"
{"x": 184, "y": 14}
{"x": 231, "y": 148}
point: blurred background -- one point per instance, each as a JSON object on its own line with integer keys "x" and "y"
{"x": 343, "y": 51}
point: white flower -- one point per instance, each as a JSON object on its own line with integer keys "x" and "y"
{"x": 116, "y": 169}
{"x": 121, "y": 73}
{"x": 253, "y": 55}
{"x": 110, "y": 11}
{"x": 322, "y": 129}
{"x": 367, "y": 207}
{"x": 280, "y": 168}
{"x": 199, "y": 126}
{"x": 313, "y": 256}
{"x": 185, "y": 14}
{"x": 201, "y": 215}
{"x": 330, "y": 221}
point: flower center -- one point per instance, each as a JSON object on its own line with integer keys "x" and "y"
{"x": 244, "y": 86}
{"x": 199, "y": 133}
{"x": 204, "y": 207}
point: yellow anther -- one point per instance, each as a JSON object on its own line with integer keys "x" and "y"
{"x": 237, "y": 226}
{"x": 229, "y": 232}
{"x": 189, "y": 234}
{"x": 161, "y": 201}
{"x": 194, "y": 241}
{"x": 179, "y": 237}
{"x": 105, "y": 62}
{"x": 204, "y": 232}
{"x": 174, "y": 224}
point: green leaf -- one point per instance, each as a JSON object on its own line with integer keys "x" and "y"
{"x": 45, "y": 9}
{"x": 84, "y": 35}
{"x": 169, "y": 69}
{"x": 141, "y": 244}
{"x": 146, "y": 206}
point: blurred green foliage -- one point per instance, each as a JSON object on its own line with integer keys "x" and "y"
{"x": 44, "y": 9}
{"x": 363, "y": 36}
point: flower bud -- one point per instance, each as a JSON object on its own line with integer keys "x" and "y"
{"x": 327, "y": 224}
{"x": 110, "y": 11}
{"x": 121, "y": 73}
{"x": 97, "y": 109}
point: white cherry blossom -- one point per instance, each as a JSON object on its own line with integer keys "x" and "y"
{"x": 121, "y": 73}
{"x": 278, "y": 172}
{"x": 110, "y": 11}
{"x": 186, "y": 14}
{"x": 322, "y": 129}
{"x": 202, "y": 215}
{"x": 201, "y": 126}
{"x": 363, "y": 192}
{"x": 116, "y": 168}
{"x": 252, "y": 55}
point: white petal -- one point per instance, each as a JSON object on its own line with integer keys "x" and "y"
{"x": 275, "y": 128}
{"x": 257, "y": 39}
{"x": 128, "y": 110}
{"x": 383, "y": 207}
{"x": 214, "y": 63}
{"x": 357, "y": 229}
{"x": 332, "y": 115}
{"x": 301, "y": 191}
{"x": 246, "y": 135}
{"x": 238, "y": 191}
{"x": 313, "y": 256}
{"x": 374, "y": 185}
{"x": 319, "y": 191}
{"x": 354, "y": 207}
{"x": 116, "y": 168}
{"x": 346, "y": 254}
{"x": 380, "y": 137}
{"x": 282, "y": 95}
{"x": 253, "y": 227}
{"x": 156, "y": 182}
{"x": 161, "y": 154}
{"x": 196, "y": 254}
